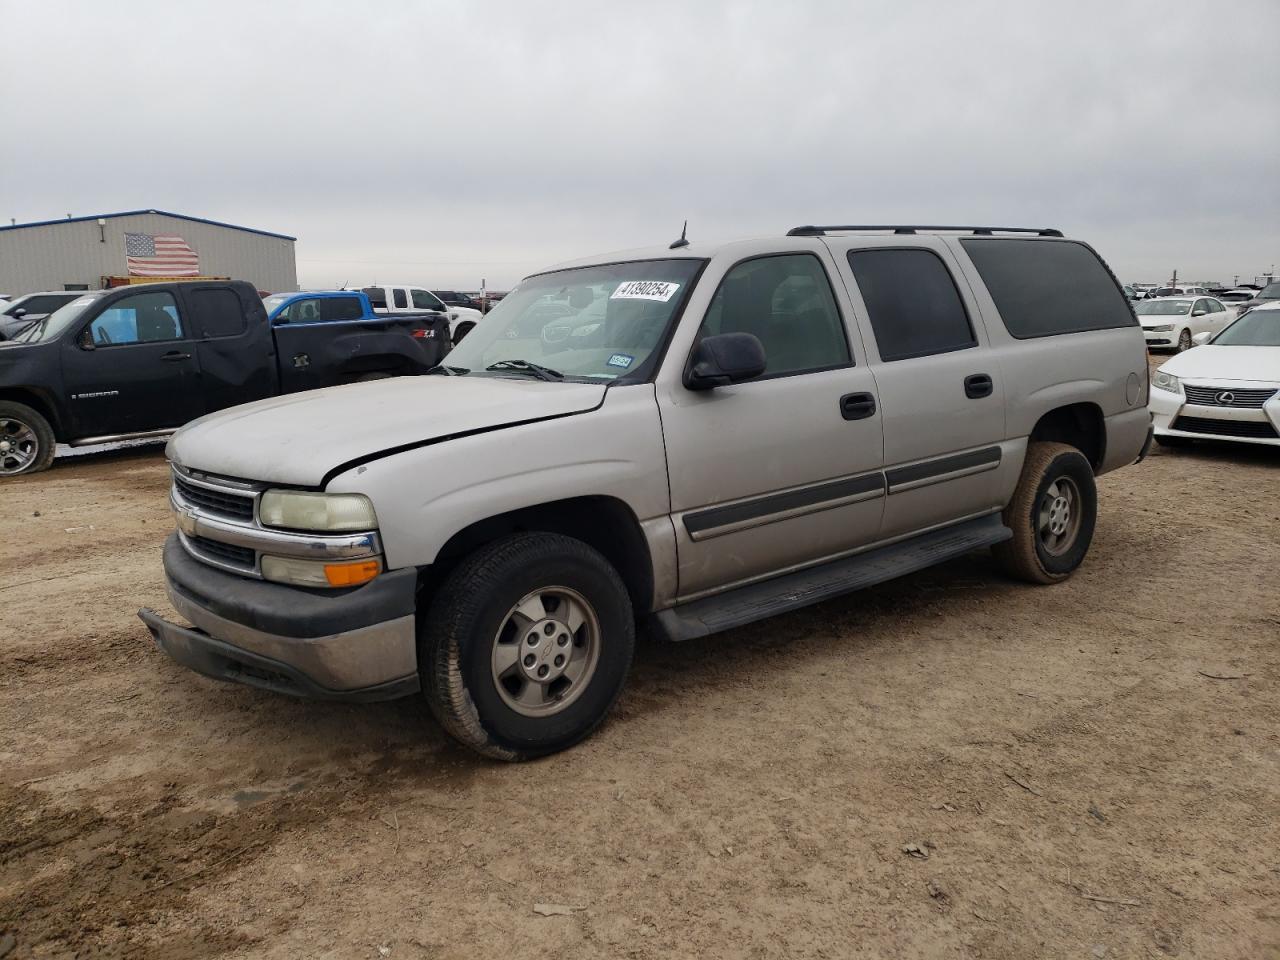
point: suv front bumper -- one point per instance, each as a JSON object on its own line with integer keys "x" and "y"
{"x": 356, "y": 644}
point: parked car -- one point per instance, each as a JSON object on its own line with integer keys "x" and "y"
{"x": 1268, "y": 294}
{"x": 746, "y": 429}
{"x": 24, "y": 311}
{"x": 1179, "y": 291}
{"x": 456, "y": 298}
{"x": 142, "y": 361}
{"x": 405, "y": 298}
{"x": 1237, "y": 296}
{"x": 1228, "y": 388}
{"x": 1173, "y": 322}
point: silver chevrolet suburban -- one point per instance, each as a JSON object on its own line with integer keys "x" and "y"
{"x": 692, "y": 437}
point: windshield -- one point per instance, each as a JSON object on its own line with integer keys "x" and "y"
{"x": 51, "y": 326}
{"x": 1270, "y": 292}
{"x": 1163, "y": 308}
{"x": 1257, "y": 328}
{"x": 592, "y": 323}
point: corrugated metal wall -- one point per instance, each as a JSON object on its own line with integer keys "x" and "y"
{"x": 79, "y": 251}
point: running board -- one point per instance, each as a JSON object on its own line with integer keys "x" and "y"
{"x": 792, "y": 591}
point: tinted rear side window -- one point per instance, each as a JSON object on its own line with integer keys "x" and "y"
{"x": 217, "y": 313}
{"x": 340, "y": 308}
{"x": 377, "y": 297}
{"x": 1047, "y": 287}
{"x": 912, "y": 301}
{"x": 401, "y": 299}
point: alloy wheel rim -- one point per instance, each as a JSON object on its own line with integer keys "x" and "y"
{"x": 1058, "y": 518}
{"x": 546, "y": 651}
{"x": 19, "y": 446}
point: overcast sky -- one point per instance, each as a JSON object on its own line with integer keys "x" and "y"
{"x": 443, "y": 142}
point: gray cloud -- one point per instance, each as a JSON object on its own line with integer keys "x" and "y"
{"x": 452, "y": 140}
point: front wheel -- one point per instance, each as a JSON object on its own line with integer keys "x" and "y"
{"x": 1052, "y": 515}
{"x": 527, "y": 645}
{"x": 26, "y": 440}
{"x": 463, "y": 329}
{"x": 1184, "y": 341}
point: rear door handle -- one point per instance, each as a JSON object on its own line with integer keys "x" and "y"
{"x": 174, "y": 356}
{"x": 857, "y": 406}
{"x": 978, "y": 385}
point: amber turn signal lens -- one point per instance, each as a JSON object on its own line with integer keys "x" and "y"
{"x": 351, "y": 574}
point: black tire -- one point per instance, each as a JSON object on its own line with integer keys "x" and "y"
{"x": 1184, "y": 342}
{"x": 460, "y": 632}
{"x": 1028, "y": 556}
{"x": 19, "y": 420}
{"x": 1175, "y": 442}
{"x": 463, "y": 329}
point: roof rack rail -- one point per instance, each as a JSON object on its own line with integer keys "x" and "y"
{"x": 812, "y": 231}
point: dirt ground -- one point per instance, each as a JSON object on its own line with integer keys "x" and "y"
{"x": 952, "y": 765}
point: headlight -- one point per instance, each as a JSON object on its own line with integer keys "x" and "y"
{"x": 1166, "y": 381}
{"x": 327, "y": 512}
{"x": 1163, "y": 328}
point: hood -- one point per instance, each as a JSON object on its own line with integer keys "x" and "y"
{"x": 1209, "y": 362}
{"x": 299, "y": 438}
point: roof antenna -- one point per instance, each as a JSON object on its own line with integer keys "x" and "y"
{"x": 682, "y": 242}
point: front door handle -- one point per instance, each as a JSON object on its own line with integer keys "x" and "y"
{"x": 174, "y": 356}
{"x": 857, "y": 406}
{"x": 978, "y": 385}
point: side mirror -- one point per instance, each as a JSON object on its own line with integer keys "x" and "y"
{"x": 19, "y": 313}
{"x": 1199, "y": 313}
{"x": 85, "y": 340}
{"x": 1200, "y": 339}
{"x": 724, "y": 359}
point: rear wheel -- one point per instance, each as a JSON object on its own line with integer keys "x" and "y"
{"x": 463, "y": 329}
{"x": 527, "y": 645}
{"x": 26, "y": 440}
{"x": 1052, "y": 515}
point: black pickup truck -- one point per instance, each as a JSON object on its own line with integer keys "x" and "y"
{"x": 141, "y": 361}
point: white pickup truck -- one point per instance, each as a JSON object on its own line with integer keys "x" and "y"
{"x": 408, "y": 298}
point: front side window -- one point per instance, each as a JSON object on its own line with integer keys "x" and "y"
{"x": 139, "y": 318}
{"x": 400, "y": 297}
{"x": 593, "y": 324}
{"x": 786, "y": 303}
{"x": 912, "y": 303}
{"x": 422, "y": 300}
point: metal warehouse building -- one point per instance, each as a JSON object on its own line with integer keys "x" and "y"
{"x": 88, "y": 253}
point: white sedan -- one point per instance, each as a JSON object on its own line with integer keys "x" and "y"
{"x": 1173, "y": 322}
{"x": 1226, "y": 389}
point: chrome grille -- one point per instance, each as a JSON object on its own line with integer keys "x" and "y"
{"x": 226, "y": 553}
{"x": 1228, "y": 396}
{"x": 219, "y": 503}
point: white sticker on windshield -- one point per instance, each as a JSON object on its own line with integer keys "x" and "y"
{"x": 645, "y": 290}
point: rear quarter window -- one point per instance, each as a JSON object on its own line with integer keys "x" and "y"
{"x": 217, "y": 313}
{"x": 1043, "y": 288}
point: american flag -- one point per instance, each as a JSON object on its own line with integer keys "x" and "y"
{"x": 164, "y": 255}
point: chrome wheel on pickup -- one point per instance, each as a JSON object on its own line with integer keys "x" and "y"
{"x": 26, "y": 440}
{"x": 526, "y": 645}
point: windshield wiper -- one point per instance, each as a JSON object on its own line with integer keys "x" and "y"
{"x": 448, "y": 371}
{"x": 524, "y": 366}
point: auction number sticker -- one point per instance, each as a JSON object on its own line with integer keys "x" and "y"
{"x": 662, "y": 290}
